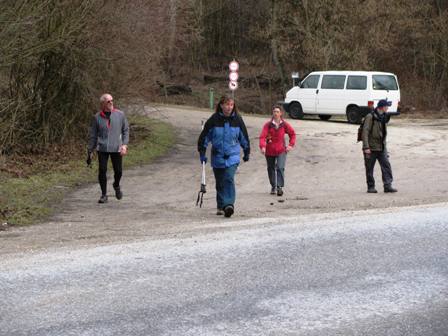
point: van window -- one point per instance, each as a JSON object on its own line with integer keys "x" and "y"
{"x": 310, "y": 82}
{"x": 384, "y": 82}
{"x": 357, "y": 83}
{"x": 333, "y": 82}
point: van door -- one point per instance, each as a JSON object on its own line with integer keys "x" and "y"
{"x": 308, "y": 91}
{"x": 385, "y": 86}
{"x": 332, "y": 98}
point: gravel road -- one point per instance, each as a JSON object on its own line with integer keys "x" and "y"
{"x": 324, "y": 174}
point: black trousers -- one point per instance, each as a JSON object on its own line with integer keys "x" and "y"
{"x": 117, "y": 165}
{"x": 386, "y": 169}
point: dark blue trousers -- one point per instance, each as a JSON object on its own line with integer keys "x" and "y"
{"x": 225, "y": 186}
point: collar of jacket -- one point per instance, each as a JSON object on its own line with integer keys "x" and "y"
{"x": 104, "y": 116}
{"x": 103, "y": 113}
{"x": 231, "y": 116}
{"x": 273, "y": 124}
{"x": 379, "y": 116}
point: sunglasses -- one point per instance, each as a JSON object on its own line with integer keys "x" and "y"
{"x": 109, "y": 101}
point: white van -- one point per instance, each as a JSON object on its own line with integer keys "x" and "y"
{"x": 350, "y": 93}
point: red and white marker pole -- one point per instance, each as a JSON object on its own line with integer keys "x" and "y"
{"x": 233, "y": 76}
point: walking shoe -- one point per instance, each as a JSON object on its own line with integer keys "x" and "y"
{"x": 279, "y": 191}
{"x": 389, "y": 189}
{"x": 118, "y": 193}
{"x": 103, "y": 199}
{"x": 273, "y": 191}
{"x": 220, "y": 212}
{"x": 228, "y": 210}
{"x": 371, "y": 190}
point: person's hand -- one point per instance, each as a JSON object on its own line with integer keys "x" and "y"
{"x": 89, "y": 158}
{"x": 288, "y": 148}
{"x": 367, "y": 153}
{"x": 123, "y": 150}
{"x": 263, "y": 150}
{"x": 246, "y": 156}
{"x": 203, "y": 158}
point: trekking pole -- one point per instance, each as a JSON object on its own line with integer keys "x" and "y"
{"x": 203, "y": 190}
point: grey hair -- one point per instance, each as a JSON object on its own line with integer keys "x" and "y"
{"x": 104, "y": 96}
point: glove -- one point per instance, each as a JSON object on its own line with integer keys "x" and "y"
{"x": 89, "y": 158}
{"x": 203, "y": 158}
{"x": 246, "y": 156}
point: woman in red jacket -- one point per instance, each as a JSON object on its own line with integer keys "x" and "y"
{"x": 272, "y": 145}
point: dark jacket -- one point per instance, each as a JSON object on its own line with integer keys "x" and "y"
{"x": 374, "y": 131}
{"x": 227, "y": 135}
{"x": 108, "y": 132}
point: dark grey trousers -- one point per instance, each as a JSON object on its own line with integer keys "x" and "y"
{"x": 276, "y": 166}
{"x": 386, "y": 169}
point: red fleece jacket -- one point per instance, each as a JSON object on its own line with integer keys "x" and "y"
{"x": 273, "y": 138}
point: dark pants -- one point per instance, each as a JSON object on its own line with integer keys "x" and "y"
{"x": 225, "y": 186}
{"x": 276, "y": 170}
{"x": 386, "y": 169}
{"x": 117, "y": 164}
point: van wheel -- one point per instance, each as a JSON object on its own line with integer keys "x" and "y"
{"x": 353, "y": 115}
{"x": 324, "y": 116}
{"x": 295, "y": 111}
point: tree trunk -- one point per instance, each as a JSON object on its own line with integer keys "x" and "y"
{"x": 274, "y": 45}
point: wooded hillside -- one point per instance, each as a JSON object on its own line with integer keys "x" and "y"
{"x": 57, "y": 57}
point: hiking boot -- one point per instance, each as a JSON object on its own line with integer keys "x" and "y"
{"x": 273, "y": 191}
{"x": 103, "y": 199}
{"x": 279, "y": 191}
{"x": 118, "y": 193}
{"x": 389, "y": 189}
{"x": 371, "y": 190}
{"x": 228, "y": 210}
{"x": 220, "y": 212}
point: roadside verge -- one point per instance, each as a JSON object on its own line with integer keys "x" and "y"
{"x": 31, "y": 199}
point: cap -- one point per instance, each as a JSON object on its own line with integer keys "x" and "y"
{"x": 384, "y": 102}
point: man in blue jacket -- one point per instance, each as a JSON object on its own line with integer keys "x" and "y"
{"x": 226, "y": 131}
{"x": 109, "y": 135}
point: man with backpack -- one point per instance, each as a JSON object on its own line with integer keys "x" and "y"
{"x": 374, "y": 133}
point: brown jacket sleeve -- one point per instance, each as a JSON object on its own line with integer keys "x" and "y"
{"x": 368, "y": 121}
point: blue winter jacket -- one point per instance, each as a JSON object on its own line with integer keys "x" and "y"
{"x": 226, "y": 134}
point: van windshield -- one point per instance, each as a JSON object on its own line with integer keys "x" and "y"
{"x": 310, "y": 82}
{"x": 384, "y": 82}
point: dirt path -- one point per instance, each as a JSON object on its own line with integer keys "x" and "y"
{"x": 324, "y": 174}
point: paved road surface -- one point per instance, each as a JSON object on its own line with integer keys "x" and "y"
{"x": 363, "y": 273}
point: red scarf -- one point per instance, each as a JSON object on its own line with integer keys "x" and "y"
{"x": 103, "y": 115}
